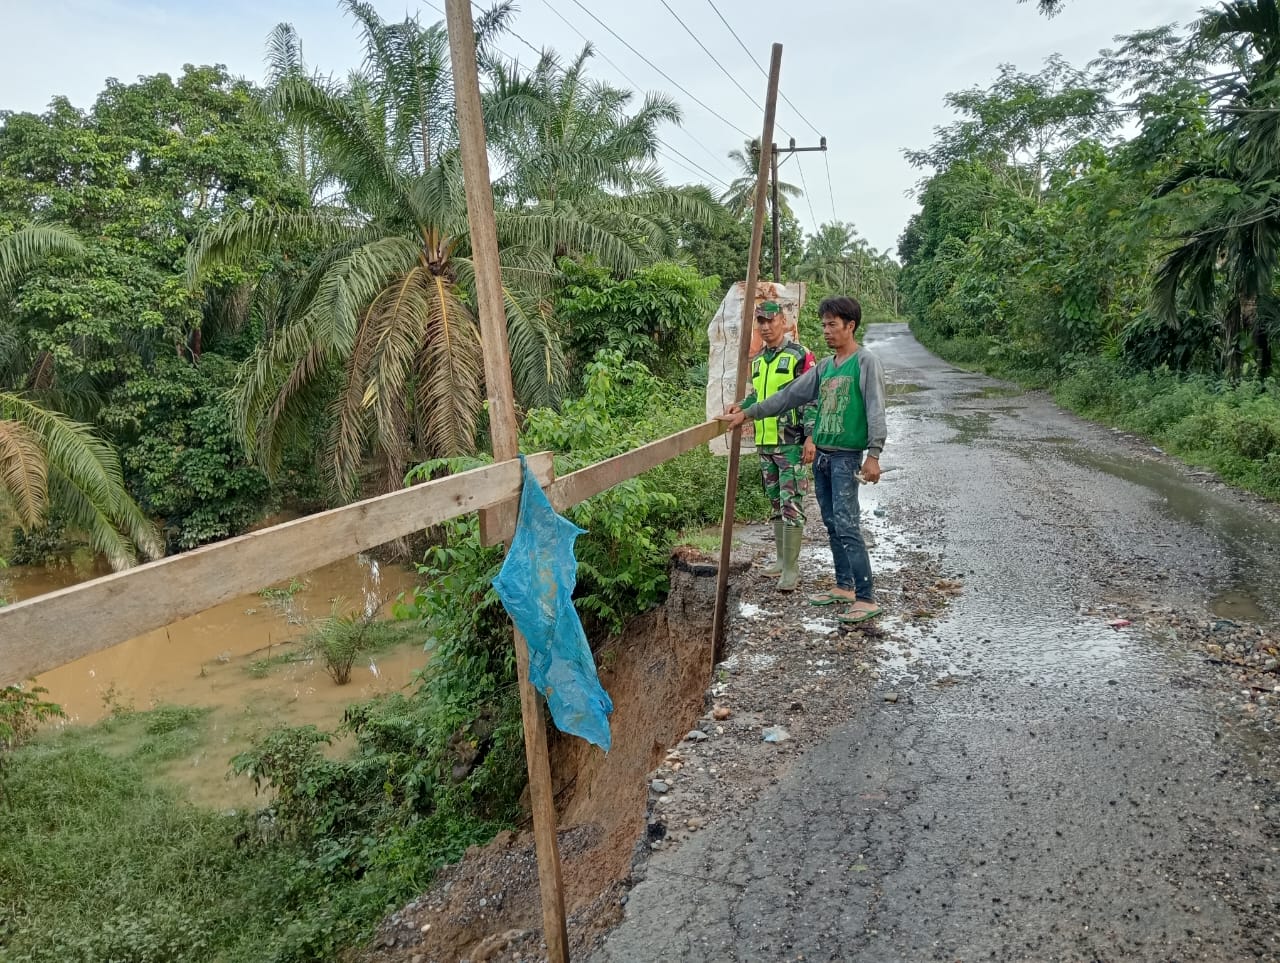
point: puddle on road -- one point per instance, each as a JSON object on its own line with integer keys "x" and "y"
{"x": 1237, "y": 606}
{"x": 983, "y": 638}
{"x": 969, "y": 427}
{"x": 749, "y": 610}
{"x": 1247, "y": 538}
{"x": 994, "y": 391}
{"x": 897, "y": 392}
{"x": 903, "y": 388}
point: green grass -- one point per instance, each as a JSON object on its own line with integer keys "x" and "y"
{"x": 704, "y": 541}
{"x": 99, "y": 862}
{"x": 103, "y": 859}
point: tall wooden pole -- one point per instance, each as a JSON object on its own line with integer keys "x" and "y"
{"x": 744, "y": 347}
{"x": 777, "y": 231}
{"x": 502, "y": 428}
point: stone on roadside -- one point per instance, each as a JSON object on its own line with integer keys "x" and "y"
{"x": 659, "y": 786}
{"x": 697, "y": 735}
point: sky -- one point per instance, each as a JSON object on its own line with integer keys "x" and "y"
{"x": 870, "y": 77}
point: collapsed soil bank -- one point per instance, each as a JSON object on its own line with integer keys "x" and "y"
{"x": 657, "y": 674}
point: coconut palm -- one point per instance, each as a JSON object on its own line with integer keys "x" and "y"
{"x": 740, "y": 197}
{"x": 286, "y": 65}
{"x": 836, "y": 258}
{"x": 826, "y": 254}
{"x": 48, "y": 460}
{"x": 23, "y": 249}
{"x": 381, "y": 328}
{"x": 1229, "y": 251}
{"x": 570, "y": 146}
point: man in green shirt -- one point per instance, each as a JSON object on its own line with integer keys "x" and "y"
{"x": 844, "y": 446}
{"x": 780, "y": 440}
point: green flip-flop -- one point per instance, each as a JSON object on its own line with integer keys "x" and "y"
{"x": 828, "y": 598}
{"x": 853, "y": 618}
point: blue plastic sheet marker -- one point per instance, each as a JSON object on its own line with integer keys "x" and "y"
{"x": 536, "y": 585}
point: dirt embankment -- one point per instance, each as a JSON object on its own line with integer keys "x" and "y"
{"x": 657, "y": 674}
{"x": 692, "y": 740}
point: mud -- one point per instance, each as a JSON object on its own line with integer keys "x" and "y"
{"x": 488, "y": 905}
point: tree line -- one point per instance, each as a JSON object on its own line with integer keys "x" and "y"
{"x": 218, "y": 296}
{"x": 1128, "y": 207}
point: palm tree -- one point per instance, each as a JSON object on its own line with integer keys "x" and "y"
{"x": 836, "y": 257}
{"x": 47, "y": 460}
{"x": 286, "y": 65}
{"x": 740, "y": 196}
{"x": 826, "y": 255}
{"x": 1228, "y": 255}
{"x": 570, "y": 147}
{"x": 381, "y": 329}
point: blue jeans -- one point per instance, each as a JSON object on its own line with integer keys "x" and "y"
{"x": 837, "y": 492}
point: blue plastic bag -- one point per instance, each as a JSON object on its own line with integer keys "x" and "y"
{"x": 536, "y": 585}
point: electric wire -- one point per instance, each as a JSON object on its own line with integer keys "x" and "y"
{"x": 732, "y": 79}
{"x": 690, "y": 166}
{"x": 655, "y": 67}
{"x": 805, "y": 187}
{"x": 830, "y": 190}
{"x": 625, "y": 76}
{"x": 752, "y": 58}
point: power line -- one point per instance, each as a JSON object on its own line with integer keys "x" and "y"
{"x": 805, "y": 187}
{"x": 732, "y": 79}
{"x": 752, "y": 58}
{"x": 699, "y": 168}
{"x": 830, "y": 190}
{"x": 625, "y": 76}
{"x": 700, "y": 172}
{"x": 705, "y": 172}
{"x": 667, "y": 76}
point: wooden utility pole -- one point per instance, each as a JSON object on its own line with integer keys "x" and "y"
{"x": 506, "y": 444}
{"x": 744, "y": 350}
{"x": 777, "y": 228}
{"x": 777, "y": 233}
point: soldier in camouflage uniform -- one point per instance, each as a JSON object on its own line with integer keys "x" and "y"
{"x": 780, "y": 441}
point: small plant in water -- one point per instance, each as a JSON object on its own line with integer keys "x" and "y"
{"x": 114, "y": 701}
{"x": 341, "y": 639}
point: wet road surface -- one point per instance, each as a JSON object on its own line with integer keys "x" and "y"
{"x": 1069, "y": 791}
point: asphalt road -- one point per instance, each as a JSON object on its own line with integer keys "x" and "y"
{"x": 1078, "y": 793}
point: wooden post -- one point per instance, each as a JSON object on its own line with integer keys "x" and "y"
{"x": 744, "y": 348}
{"x": 502, "y": 428}
{"x": 777, "y": 230}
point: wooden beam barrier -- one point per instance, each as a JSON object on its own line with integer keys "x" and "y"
{"x": 578, "y": 486}
{"x": 50, "y": 630}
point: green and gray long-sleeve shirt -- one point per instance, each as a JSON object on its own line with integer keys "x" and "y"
{"x": 849, "y": 414}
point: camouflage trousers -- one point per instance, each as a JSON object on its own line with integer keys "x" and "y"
{"x": 785, "y": 481}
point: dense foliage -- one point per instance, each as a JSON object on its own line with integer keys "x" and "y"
{"x": 1133, "y": 270}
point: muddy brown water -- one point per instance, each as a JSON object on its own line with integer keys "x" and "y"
{"x": 241, "y": 659}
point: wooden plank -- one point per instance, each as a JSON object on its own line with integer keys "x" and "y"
{"x": 744, "y": 348}
{"x": 50, "y": 630}
{"x": 578, "y": 486}
{"x": 502, "y": 429}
